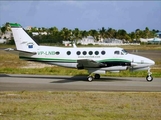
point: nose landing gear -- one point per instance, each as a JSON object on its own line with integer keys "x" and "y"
{"x": 149, "y": 77}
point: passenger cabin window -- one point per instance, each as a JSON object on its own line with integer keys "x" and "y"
{"x": 96, "y": 52}
{"x": 90, "y": 52}
{"x": 68, "y": 52}
{"x": 103, "y": 52}
{"x": 84, "y": 52}
{"x": 117, "y": 52}
{"x": 78, "y": 52}
{"x": 57, "y": 53}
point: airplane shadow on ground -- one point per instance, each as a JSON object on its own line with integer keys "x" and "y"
{"x": 67, "y": 79}
{"x": 84, "y": 78}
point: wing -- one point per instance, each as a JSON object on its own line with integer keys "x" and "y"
{"x": 20, "y": 51}
{"x": 87, "y": 63}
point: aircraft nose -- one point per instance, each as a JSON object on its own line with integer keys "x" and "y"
{"x": 151, "y": 62}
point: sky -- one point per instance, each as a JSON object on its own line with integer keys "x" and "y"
{"x": 84, "y": 15}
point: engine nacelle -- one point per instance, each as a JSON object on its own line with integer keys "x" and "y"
{"x": 115, "y": 68}
{"x": 138, "y": 69}
{"x": 115, "y": 71}
{"x": 111, "y": 69}
{"x": 80, "y": 66}
{"x": 99, "y": 71}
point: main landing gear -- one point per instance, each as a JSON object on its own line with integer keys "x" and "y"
{"x": 149, "y": 77}
{"x": 90, "y": 77}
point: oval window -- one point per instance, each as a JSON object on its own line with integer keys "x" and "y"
{"x": 103, "y": 52}
{"x": 78, "y": 52}
{"x": 84, "y": 52}
{"x": 57, "y": 53}
{"x": 68, "y": 52}
{"x": 96, "y": 52}
{"x": 90, "y": 52}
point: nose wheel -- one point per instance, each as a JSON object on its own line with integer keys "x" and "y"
{"x": 149, "y": 77}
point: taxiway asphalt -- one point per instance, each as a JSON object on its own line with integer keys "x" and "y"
{"x": 14, "y": 82}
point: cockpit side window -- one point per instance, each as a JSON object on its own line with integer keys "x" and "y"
{"x": 124, "y": 52}
{"x": 117, "y": 52}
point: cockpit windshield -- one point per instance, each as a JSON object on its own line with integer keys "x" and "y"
{"x": 124, "y": 52}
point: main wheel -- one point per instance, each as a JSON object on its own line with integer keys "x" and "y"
{"x": 97, "y": 76}
{"x": 90, "y": 78}
{"x": 149, "y": 78}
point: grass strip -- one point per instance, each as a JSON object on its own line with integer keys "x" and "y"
{"x": 61, "y": 105}
{"x": 73, "y": 72}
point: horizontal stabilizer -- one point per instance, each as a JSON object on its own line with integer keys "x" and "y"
{"x": 20, "y": 51}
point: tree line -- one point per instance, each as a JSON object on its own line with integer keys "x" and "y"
{"x": 54, "y": 35}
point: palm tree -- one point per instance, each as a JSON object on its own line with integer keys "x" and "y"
{"x": 147, "y": 32}
{"x": 76, "y": 34}
{"x": 34, "y": 29}
{"x": 6, "y": 27}
{"x": 66, "y": 33}
{"x": 94, "y": 33}
{"x": 43, "y": 29}
{"x": 137, "y": 34}
{"x": 102, "y": 33}
{"x": 111, "y": 33}
{"x": 132, "y": 35}
{"x": 84, "y": 33}
{"x": 121, "y": 34}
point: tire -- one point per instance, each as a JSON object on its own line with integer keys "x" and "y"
{"x": 90, "y": 78}
{"x": 149, "y": 78}
{"x": 97, "y": 76}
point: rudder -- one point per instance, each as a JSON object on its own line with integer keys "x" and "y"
{"x": 22, "y": 40}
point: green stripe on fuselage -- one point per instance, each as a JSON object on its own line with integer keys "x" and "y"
{"x": 70, "y": 60}
{"x": 114, "y": 60}
{"x": 49, "y": 59}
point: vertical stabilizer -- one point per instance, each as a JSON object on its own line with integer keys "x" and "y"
{"x": 22, "y": 40}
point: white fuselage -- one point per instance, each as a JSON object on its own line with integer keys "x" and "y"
{"x": 95, "y": 60}
{"x": 67, "y": 57}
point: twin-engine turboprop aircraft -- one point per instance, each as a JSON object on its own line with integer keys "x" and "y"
{"x": 96, "y": 60}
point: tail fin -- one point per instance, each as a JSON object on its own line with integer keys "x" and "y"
{"x": 22, "y": 40}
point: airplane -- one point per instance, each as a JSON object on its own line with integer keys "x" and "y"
{"x": 151, "y": 40}
{"x": 96, "y": 60}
